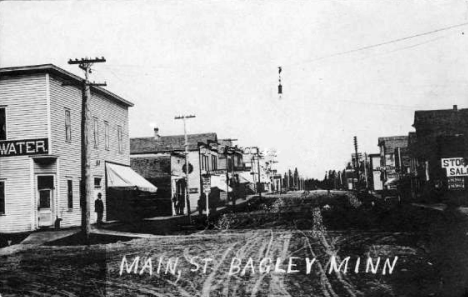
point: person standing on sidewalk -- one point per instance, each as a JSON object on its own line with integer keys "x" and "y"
{"x": 99, "y": 209}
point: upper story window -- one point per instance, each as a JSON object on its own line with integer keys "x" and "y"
{"x": 204, "y": 162}
{"x": 96, "y": 132}
{"x": 3, "y": 135}
{"x": 239, "y": 161}
{"x": 120, "y": 139}
{"x": 106, "y": 135}
{"x": 230, "y": 164}
{"x": 214, "y": 162}
{"x": 67, "y": 125}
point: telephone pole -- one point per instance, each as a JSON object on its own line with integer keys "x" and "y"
{"x": 187, "y": 192}
{"x": 357, "y": 162}
{"x": 259, "y": 187}
{"x": 232, "y": 174}
{"x": 87, "y": 184}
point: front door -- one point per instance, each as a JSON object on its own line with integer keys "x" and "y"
{"x": 180, "y": 197}
{"x": 45, "y": 190}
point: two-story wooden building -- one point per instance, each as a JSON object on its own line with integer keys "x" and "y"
{"x": 40, "y": 146}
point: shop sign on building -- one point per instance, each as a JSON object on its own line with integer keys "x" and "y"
{"x": 456, "y": 183}
{"x": 455, "y": 166}
{"x": 24, "y": 147}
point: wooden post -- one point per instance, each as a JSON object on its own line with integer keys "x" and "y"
{"x": 87, "y": 183}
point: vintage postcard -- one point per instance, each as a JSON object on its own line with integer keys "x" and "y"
{"x": 234, "y": 148}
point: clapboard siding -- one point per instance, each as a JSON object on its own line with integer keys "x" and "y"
{"x": 69, "y": 97}
{"x": 25, "y": 99}
{"x": 116, "y": 115}
{"x": 61, "y": 98}
{"x": 18, "y": 210}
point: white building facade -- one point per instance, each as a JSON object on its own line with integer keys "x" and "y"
{"x": 40, "y": 145}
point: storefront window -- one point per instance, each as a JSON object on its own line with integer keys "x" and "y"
{"x": 2, "y": 197}
{"x": 97, "y": 182}
{"x": 70, "y": 193}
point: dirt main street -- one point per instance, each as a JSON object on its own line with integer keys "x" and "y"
{"x": 288, "y": 246}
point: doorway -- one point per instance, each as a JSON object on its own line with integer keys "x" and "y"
{"x": 179, "y": 199}
{"x": 45, "y": 193}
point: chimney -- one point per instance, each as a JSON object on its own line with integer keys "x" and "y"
{"x": 455, "y": 107}
{"x": 156, "y": 134}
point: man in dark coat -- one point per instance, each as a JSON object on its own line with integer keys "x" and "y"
{"x": 99, "y": 208}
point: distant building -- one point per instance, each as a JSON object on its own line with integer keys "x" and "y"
{"x": 350, "y": 179}
{"x": 439, "y": 149}
{"x": 40, "y": 146}
{"x": 375, "y": 172}
{"x": 161, "y": 160}
{"x": 389, "y": 148}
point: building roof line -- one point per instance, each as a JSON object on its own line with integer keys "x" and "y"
{"x": 50, "y": 68}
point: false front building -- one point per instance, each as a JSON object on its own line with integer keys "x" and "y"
{"x": 440, "y": 154}
{"x": 161, "y": 160}
{"x": 40, "y": 147}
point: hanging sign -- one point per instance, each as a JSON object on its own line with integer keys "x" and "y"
{"x": 24, "y": 147}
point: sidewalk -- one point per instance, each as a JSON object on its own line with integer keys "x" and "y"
{"x": 239, "y": 202}
{"x": 41, "y": 237}
{"x": 442, "y": 207}
{"x": 37, "y": 239}
{"x": 435, "y": 206}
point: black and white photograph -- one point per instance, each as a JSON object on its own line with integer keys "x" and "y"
{"x": 234, "y": 148}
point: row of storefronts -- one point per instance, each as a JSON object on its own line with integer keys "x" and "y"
{"x": 41, "y": 156}
{"x": 41, "y": 148}
{"x": 216, "y": 168}
{"x": 430, "y": 163}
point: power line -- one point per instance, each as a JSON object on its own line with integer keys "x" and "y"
{"x": 379, "y": 44}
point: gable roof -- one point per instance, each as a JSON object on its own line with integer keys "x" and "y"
{"x": 145, "y": 145}
{"x": 57, "y": 71}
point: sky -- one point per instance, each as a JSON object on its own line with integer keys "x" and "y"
{"x": 349, "y": 68}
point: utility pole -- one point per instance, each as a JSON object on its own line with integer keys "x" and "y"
{"x": 232, "y": 174}
{"x": 356, "y": 168}
{"x": 365, "y": 171}
{"x": 187, "y": 192}
{"x": 259, "y": 180}
{"x": 87, "y": 184}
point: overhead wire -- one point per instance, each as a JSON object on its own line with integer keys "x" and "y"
{"x": 376, "y": 45}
